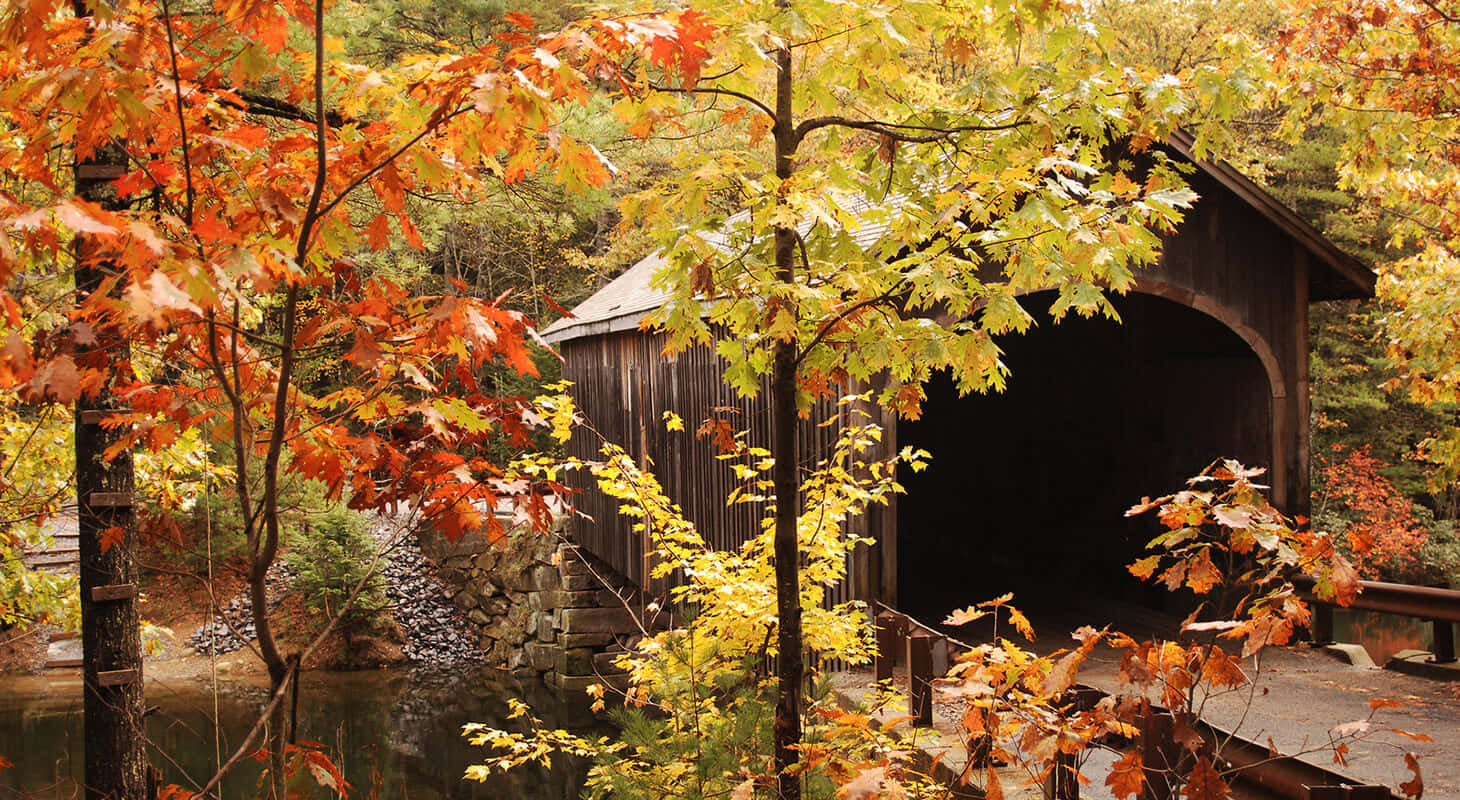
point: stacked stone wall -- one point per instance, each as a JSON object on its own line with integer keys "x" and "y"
{"x": 540, "y": 605}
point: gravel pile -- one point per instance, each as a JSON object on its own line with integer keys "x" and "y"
{"x": 436, "y": 633}
{"x": 233, "y": 628}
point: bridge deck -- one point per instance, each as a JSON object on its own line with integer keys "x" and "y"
{"x": 1300, "y": 695}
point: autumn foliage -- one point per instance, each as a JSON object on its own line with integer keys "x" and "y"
{"x": 259, "y": 167}
{"x": 254, "y": 176}
{"x": 1385, "y": 538}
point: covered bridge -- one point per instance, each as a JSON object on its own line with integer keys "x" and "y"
{"x": 1027, "y": 488}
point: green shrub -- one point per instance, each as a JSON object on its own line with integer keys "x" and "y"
{"x": 330, "y": 556}
{"x": 216, "y": 514}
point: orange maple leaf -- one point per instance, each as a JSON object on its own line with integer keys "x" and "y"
{"x": 1205, "y": 783}
{"x": 1127, "y": 776}
{"x": 110, "y": 537}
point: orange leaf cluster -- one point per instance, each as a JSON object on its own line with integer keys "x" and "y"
{"x": 1386, "y": 539}
{"x": 239, "y": 198}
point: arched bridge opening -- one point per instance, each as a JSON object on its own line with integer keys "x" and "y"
{"x": 1027, "y": 488}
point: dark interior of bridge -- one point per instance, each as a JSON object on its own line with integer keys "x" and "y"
{"x": 1027, "y": 489}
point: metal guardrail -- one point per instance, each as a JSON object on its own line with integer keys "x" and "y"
{"x": 1439, "y": 606}
{"x": 926, "y": 653}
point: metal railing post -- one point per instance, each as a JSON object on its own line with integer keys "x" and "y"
{"x": 1444, "y": 632}
{"x": 1322, "y": 623}
{"x": 920, "y": 677}
{"x": 891, "y": 630}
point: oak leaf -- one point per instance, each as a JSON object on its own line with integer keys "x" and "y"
{"x": 81, "y": 220}
{"x": 110, "y": 537}
{"x": 57, "y": 379}
{"x": 965, "y": 616}
{"x": 1415, "y": 787}
{"x": 1127, "y": 776}
{"x": 1205, "y": 783}
{"x": 993, "y": 788}
{"x": 867, "y": 784}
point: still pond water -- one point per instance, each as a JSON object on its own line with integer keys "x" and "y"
{"x": 396, "y": 734}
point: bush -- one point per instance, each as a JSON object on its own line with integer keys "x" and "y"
{"x": 215, "y": 513}
{"x": 330, "y": 556}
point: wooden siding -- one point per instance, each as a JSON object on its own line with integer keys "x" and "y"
{"x": 623, "y": 384}
{"x": 1227, "y": 260}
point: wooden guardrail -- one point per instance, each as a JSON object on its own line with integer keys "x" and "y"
{"x": 1439, "y": 606}
{"x": 925, "y": 652}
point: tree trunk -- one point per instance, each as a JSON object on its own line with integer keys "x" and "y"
{"x": 791, "y": 669}
{"x": 116, "y": 763}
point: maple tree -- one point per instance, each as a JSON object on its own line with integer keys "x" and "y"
{"x": 1381, "y": 529}
{"x": 898, "y": 174}
{"x": 255, "y": 166}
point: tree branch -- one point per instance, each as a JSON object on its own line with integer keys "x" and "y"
{"x": 765, "y": 109}
{"x": 899, "y": 133}
{"x": 370, "y": 173}
{"x": 182, "y": 125}
{"x": 832, "y": 323}
{"x": 1446, "y": 16}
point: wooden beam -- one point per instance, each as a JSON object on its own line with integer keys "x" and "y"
{"x": 100, "y": 172}
{"x": 118, "y": 677}
{"x": 110, "y": 500}
{"x": 120, "y": 591}
{"x": 96, "y": 416}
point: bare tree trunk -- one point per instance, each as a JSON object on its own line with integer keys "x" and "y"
{"x": 790, "y": 668}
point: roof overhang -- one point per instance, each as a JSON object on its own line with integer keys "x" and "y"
{"x": 1354, "y": 279}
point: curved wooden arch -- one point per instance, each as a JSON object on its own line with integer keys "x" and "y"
{"x": 1226, "y": 316}
{"x": 1276, "y": 381}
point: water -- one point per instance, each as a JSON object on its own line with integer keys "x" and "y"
{"x": 1382, "y": 635}
{"x": 395, "y": 734}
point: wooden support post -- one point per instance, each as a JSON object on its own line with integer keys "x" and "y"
{"x": 1444, "y": 641}
{"x": 1160, "y": 754}
{"x": 1322, "y": 623}
{"x": 891, "y": 630}
{"x": 920, "y": 677}
{"x": 942, "y": 658}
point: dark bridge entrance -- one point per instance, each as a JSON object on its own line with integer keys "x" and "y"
{"x": 1027, "y": 489}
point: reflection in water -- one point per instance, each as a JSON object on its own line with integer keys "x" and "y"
{"x": 395, "y": 734}
{"x": 1382, "y": 635}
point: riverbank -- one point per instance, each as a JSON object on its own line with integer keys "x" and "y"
{"x": 203, "y": 622}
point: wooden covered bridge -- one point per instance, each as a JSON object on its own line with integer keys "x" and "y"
{"x": 1027, "y": 488}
